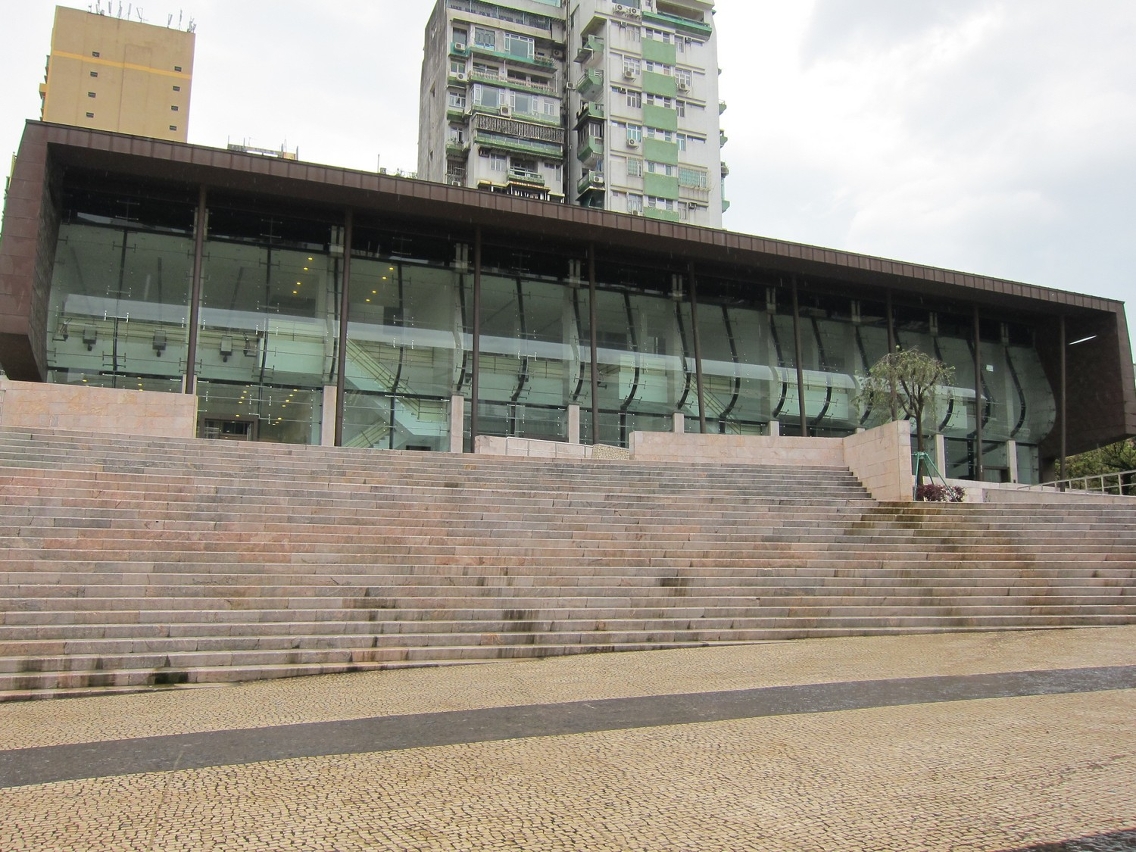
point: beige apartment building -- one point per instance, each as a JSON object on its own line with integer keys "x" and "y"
{"x": 108, "y": 73}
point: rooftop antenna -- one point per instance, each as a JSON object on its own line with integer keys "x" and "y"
{"x": 179, "y": 18}
{"x": 169, "y": 20}
{"x": 192, "y": 26}
{"x": 141, "y": 20}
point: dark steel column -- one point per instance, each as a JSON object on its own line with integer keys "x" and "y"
{"x": 979, "y": 403}
{"x": 201, "y": 223}
{"x": 1062, "y": 342}
{"x": 697, "y": 351}
{"x": 594, "y": 348}
{"x": 800, "y": 366}
{"x": 475, "y": 388}
{"x": 344, "y": 302}
{"x": 891, "y": 324}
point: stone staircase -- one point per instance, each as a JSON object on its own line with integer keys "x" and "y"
{"x": 132, "y": 563}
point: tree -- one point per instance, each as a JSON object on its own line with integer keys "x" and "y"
{"x": 904, "y": 383}
{"x": 1115, "y": 458}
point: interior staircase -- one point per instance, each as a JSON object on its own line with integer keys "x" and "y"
{"x": 135, "y": 563}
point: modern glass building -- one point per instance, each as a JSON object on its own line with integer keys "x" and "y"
{"x": 307, "y": 304}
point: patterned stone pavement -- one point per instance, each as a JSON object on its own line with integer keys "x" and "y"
{"x": 1050, "y": 771}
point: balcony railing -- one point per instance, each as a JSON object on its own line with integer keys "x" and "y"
{"x": 525, "y": 176}
{"x": 591, "y": 151}
{"x": 589, "y": 109}
{"x": 589, "y": 182}
{"x": 590, "y": 51}
{"x": 503, "y": 79}
{"x": 590, "y": 84}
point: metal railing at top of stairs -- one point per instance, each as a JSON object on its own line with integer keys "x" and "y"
{"x": 1117, "y": 483}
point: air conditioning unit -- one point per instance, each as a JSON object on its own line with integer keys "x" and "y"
{"x": 505, "y": 111}
{"x": 629, "y": 72}
{"x": 598, "y": 180}
{"x": 635, "y": 212}
{"x": 459, "y": 46}
{"x": 682, "y": 85}
{"x": 455, "y": 183}
{"x": 632, "y": 143}
{"x": 633, "y": 12}
{"x": 462, "y": 77}
{"x": 620, "y": 9}
{"x": 557, "y": 53}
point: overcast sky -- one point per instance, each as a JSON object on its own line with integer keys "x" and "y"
{"x": 991, "y": 136}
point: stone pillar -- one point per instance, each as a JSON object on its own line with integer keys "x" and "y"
{"x": 457, "y": 423}
{"x": 1012, "y": 459}
{"x": 774, "y": 428}
{"x": 679, "y": 423}
{"x": 941, "y": 454}
{"x": 327, "y": 424}
{"x": 573, "y": 423}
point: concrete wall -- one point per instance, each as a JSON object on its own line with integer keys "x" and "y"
{"x": 881, "y": 459}
{"x": 528, "y": 448}
{"x": 34, "y": 405}
{"x": 736, "y": 449}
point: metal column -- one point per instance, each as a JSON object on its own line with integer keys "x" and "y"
{"x": 341, "y": 352}
{"x": 475, "y": 389}
{"x": 697, "y": 351}
{"x": 979, "y": 402}
{"x": 201, "y": 224}
{"x": 800, "y": 366}
{"x": 593, "y": 344}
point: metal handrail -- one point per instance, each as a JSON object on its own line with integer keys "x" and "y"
{"x": 1122, "y": 486}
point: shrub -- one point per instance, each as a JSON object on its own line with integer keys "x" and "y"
{"x": 933, "y": 492}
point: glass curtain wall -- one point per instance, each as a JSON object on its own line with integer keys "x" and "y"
{"x": 535, "y": 353}
{"x": 269, "y": 323}
{"x": 118, "y": 313}
{"x": 408, "y": 346}
{"x": 645, "y": 350}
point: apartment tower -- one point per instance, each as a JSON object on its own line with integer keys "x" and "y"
{"x": 591, "y": 102}
{"x": 108, "y": 73}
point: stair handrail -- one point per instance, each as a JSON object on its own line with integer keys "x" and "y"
{"x": 1081, "y": 483}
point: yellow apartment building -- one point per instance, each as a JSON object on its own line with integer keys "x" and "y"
{"x": 107, "y": 73}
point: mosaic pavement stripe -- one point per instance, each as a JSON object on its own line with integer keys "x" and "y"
{"x": 48, "y": 764}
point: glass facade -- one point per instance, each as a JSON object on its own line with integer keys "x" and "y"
{"x": 269, "y": 330}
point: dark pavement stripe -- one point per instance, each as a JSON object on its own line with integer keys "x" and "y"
{"x": 388, "y": 733}
{"x": 1116, "y": 841}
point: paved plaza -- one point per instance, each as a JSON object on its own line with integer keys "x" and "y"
{"x": 986, "y": 741}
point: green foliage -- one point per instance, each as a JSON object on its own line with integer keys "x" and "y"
{"x": 1115, "y": 458}
{"x": 904, "y": 383}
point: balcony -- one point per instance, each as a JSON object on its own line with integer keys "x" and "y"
{"x": 502, "y": 79}
{"x": 591, "y": 84}
{"x": 589, "y": 109}
{"x": 725, "y": 169}
{"x": 590, "y": 182}
{"x": 591, "y": 51}
{"x": 458, "y": 49}
{"x": 721, "y": 107}
{"x": 722, "y": 138}
{"x": 456, "y": 148}
{"x": 591, "y": 152}
{"x": 522, "y": 176}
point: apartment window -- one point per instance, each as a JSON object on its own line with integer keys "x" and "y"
{"x": 658, "y": 35}
{"x": 457, "y": 66}
{"x": 634, "y": 134}
{"x": 485, "y": 38}
{"x": 659, "y": 101}
{"x": 660, "y": 203}
{"x": 634, "y": 99}
{"x": 177, "y": 68}
{"x": 90, "y": 94}
{"x": 684, "y": 78}
{"x": 177, "y": 88}
{"x": 634, "y": 203}
{"x": 95, "y": 54}
{"x": 660, "y": 168}
{"x": 488, "y": 97}
{"x": 498, "y": 163}
{"x": 457, "y": 100}
{"x": 630, "y": 66}
{"x": 173, "y": 127}
{"x": 90, "y": 115}
{"x": 658, "y": 67}
{"x": 697, "y": 178}
{"x": 173, "y": 108}
{"x": 634, "y": 167}
{"x": 461, "y": 37}
{"x": 521, "y": 46}
{"x": 94, "y": 73}
{"x": 680, "y": 108}
{"x": 663, "y": 135}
